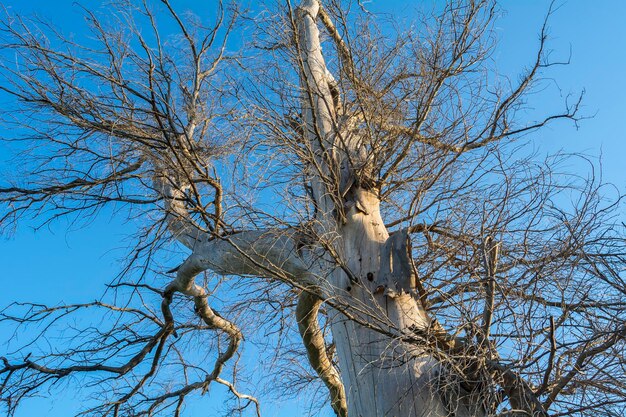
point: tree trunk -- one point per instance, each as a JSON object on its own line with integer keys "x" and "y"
{"x": 382, "y": 374}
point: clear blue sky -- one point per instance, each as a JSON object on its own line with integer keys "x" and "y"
{"x": 37, "y": 267}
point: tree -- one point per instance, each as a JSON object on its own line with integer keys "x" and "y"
{"x": 431, "y": 264}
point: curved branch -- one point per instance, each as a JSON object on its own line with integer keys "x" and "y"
{"x": 313, "y": 339}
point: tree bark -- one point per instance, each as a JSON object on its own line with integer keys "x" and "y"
{"x": 381, "y": 376}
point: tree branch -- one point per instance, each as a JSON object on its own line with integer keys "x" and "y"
{"x": 313, "y": 339}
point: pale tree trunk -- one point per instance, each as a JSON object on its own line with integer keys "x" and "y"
{"x": 382, "y": 375}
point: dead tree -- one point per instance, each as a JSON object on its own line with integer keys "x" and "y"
{"x": 457, "y": 273}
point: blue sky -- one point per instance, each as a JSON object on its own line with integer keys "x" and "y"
{"x": 65, "y": 263}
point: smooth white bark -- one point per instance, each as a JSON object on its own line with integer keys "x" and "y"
{"x": 271, "y": 253}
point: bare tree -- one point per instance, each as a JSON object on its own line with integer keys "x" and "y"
{"x": 373, "y": 196}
